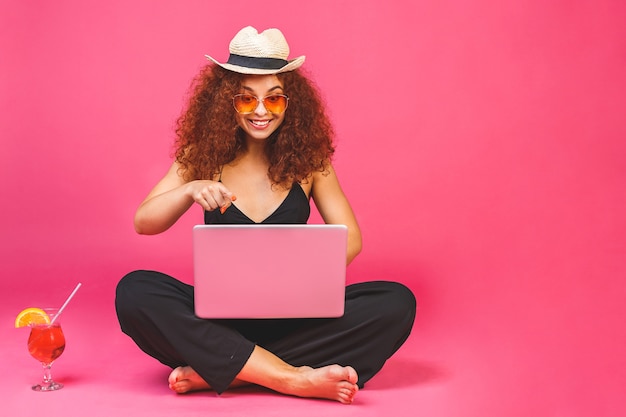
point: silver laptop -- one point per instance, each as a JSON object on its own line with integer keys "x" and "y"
{"x": 269, "y": 271}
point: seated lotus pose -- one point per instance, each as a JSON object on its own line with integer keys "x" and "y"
{"x": 254, "y": 145}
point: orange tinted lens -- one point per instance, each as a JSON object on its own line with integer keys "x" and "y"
{"x": 245, "y": 103}
{"x": 275, "y": 104}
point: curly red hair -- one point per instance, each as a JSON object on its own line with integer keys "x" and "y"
{"x": 208, "y": 136}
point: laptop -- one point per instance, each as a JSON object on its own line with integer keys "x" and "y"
{"x": 269, "y": 271}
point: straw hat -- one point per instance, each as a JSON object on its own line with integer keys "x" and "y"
{"x": 262, "y": 53}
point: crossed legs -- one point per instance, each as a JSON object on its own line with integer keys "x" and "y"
{"x": 321, "y": 358}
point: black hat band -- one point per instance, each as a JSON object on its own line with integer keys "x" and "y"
{"x": 254, "y": 62}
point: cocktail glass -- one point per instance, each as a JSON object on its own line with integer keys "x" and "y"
{"x": 46, "y": 343}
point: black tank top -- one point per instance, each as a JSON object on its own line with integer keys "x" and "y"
{"x": 294, "y": 209}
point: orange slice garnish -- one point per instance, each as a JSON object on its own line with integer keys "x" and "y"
{"x": 31, "y": 316}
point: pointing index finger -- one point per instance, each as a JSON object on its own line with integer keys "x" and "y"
{"x": 228, "y": 203}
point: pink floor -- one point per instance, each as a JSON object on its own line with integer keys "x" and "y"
{"x": 445, "y": 369}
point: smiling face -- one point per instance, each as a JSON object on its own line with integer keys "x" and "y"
{"x": 260, "y": 124}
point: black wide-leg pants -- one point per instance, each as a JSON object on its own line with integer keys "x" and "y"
{"x": 157, "y": 312}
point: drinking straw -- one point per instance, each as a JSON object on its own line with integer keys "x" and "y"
{"x": 65, "y": 303}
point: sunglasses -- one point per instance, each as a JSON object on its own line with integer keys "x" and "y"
{"x": 247, "y": 103}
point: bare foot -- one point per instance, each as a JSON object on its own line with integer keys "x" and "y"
{"x": 184, "y": 379}
{"x": 331, "y": 382}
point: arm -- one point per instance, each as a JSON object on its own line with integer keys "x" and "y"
{"x": 172, "y": 197}
{"x": 334, "y": 208}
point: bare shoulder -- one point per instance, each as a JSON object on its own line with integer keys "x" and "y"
{"x": 329, "y": 197}
{"x": 324, "y": 181}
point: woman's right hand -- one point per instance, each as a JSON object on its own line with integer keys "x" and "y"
{"x": 172, "y": 197}
{"x": 210, "y": 195}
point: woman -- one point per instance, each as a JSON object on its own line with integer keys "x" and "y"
{"x": 260, "y": 162}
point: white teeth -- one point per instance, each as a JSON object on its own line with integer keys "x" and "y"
{"x": 259, "y": 122}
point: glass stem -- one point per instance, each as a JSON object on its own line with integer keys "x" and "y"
{"x": 47, "y": 373}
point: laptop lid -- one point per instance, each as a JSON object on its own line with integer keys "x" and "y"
{"x": 269, "y": 271}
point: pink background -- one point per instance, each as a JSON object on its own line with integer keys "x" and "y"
{"x": 481, "y": 144}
